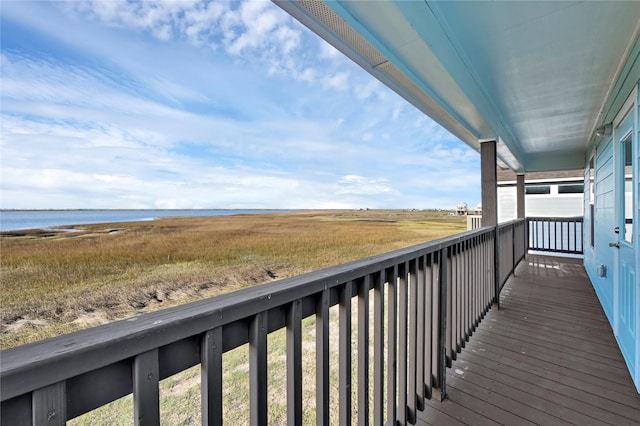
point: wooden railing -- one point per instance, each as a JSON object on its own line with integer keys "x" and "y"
{"x": 434, "y": 295}
{"x": 511, "y": 248}
{"x": 556, "y": 234}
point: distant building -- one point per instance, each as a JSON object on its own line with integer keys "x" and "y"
{"x": 548, "y": 194}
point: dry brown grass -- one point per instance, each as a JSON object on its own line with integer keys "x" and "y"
{"x": 54, "y": 283}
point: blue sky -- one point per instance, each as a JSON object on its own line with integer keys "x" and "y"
{"x": 181, "y": 104}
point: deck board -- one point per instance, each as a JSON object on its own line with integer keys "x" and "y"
{"x": 547, "y": 357}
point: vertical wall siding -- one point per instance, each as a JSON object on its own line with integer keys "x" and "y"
{"x": 604, "y": 224}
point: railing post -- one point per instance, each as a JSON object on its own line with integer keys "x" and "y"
{"x": 413, "y": 337}
{"x": 363, "y": 350}
{"x": 403, "y": 301}
{"x": 442, "y": 322}
{"x": 146, "y": 390}
{"x": 211, "y": 377}
{"x": 258, "y": 369}
{"x": 525, "y": 243}
{"x": 344, "y": 373}
{"x": 294, "y": 363}
{"x": 392, "y": 324}
{"x": 496, "y": 266}
{"x": 378, "y": 348}
{"x": 322, "y": 358}
{"x": 49, "y": 405}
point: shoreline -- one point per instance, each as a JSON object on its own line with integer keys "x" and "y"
{"x": 12, "y": 220}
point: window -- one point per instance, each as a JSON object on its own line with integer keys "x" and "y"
{"x": 537, "y": 189}
{"x": 592, "y": 176}
{"x": 571, "y": 189}
{"x": 592, "y": 199}
{"x": 627, "y": 199}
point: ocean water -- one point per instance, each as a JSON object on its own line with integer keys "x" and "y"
{"x": 11, "y": 220}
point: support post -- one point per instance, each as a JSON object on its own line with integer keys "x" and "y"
{"x": 520, "y": 207}
{"x": 488, "y": 165}
{"x": 489, "y": 183}
{"x": 520, "y": 196}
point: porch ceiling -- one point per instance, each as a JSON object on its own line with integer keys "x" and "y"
{"x": 535, "y": 76}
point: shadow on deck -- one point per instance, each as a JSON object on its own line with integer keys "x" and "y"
{"x": 547, "y": 357}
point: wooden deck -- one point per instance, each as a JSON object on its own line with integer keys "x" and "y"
{"x": 547, "y": 357}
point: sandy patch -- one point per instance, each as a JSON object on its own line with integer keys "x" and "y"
{"x": 20, "y": 324}
{"x": 91, "y": 319}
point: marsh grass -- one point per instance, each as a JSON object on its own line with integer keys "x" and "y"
{"x": 55, "y": 283}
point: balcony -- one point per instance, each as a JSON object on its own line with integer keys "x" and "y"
{"x": 431, "y": 348}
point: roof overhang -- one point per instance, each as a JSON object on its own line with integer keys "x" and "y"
{"x": 533, "y": 76}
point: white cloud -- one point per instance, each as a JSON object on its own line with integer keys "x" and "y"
{"x": 138, "y": 123}
{"x": 329, "y": 52}
{"x": 368, "y": 89}
{"x": 338, "y": 81}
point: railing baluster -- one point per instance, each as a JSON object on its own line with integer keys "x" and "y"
{"x": 435, "y": 319}
{"x": 211, "y": 377}
{"x": 392, "y": 324}
{"x": 428, "y": 324}
{"x": 420, "y": 278}
{"x": 475, "y": 282}
{"x": 344, "y": 342}
{"x": 322, "y": 359}
{"x": 363, "y": 351}
{"x": 146, "y": 391}
{"x": 494, "y": 269}
{"x": 468, "y": 308}
{"x": 413, "y": 320}
{"x": 294, "y": 363}
{"x": 402, "y": 342}
{"x": 488, "y": 285}
{"x": 258, "y": 369}
{"x": 49, "y": 405}
{"x": 442, "y": 322}
{"x": 452, "y": 321}
{"x": 483, "y": 271}
{"x": 378, "y": 349}
{"x": 448, "y": 284}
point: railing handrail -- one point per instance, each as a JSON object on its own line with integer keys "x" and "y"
{"x": 557, "y": 218}
{"x": 510, "y": 222}
{"x": 33, "y": 366}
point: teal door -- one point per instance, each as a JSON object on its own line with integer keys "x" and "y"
{"x": 605, "y": 223}
{"x": 625, "y": 278}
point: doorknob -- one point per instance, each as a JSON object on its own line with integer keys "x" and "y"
{"x": 616, "y": 245}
